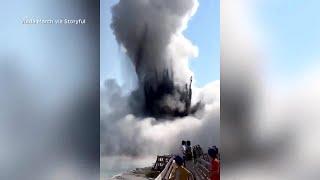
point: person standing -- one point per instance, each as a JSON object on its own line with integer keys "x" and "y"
{"x": 188, "y": 151}
{"x": 215, "y": 163}
{"x": 183, "y": 151}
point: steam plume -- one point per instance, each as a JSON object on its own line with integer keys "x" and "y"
{"x": 165, "y": 107}
{"x": 150, "y": 32}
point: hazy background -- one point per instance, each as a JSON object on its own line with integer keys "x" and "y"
{"x": 270, "y": 89}
{"x": 49, "y": 91}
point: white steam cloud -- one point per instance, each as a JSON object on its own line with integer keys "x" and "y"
{"x": 123, "y": 133}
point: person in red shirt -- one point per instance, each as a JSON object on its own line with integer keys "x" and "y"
{"x": 215, "y": 163}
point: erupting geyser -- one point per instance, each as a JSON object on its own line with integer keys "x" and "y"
{"x": 166, "y": 103}
{"x": 150, "y": 32}
{"x": 165, "y": 99}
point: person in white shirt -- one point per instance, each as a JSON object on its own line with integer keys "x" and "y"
{"x": 183, "y": 150}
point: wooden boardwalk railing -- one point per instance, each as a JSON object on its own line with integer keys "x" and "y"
{"x": 164, "y": 175}
{"x": 161, "y": 162}
{"x": 199, "y": 168}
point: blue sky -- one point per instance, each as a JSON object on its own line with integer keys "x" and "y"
{"x": 203, "y": 31}
{"x": 293, "y": 27}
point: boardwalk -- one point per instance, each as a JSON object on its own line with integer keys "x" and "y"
{"x": 199, "y": 167}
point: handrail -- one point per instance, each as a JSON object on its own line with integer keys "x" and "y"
{"x": 199, "y": 169}
{"x": 166, "y": 171}
{"x": 164, "y": 175}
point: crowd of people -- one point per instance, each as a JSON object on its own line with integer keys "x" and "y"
{"x": 188, "y": 154}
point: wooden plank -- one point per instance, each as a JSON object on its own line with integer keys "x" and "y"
{"x": 170, "y": 169}
{"x": 200, "y": 173}
{"x": 196, "y": 173}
